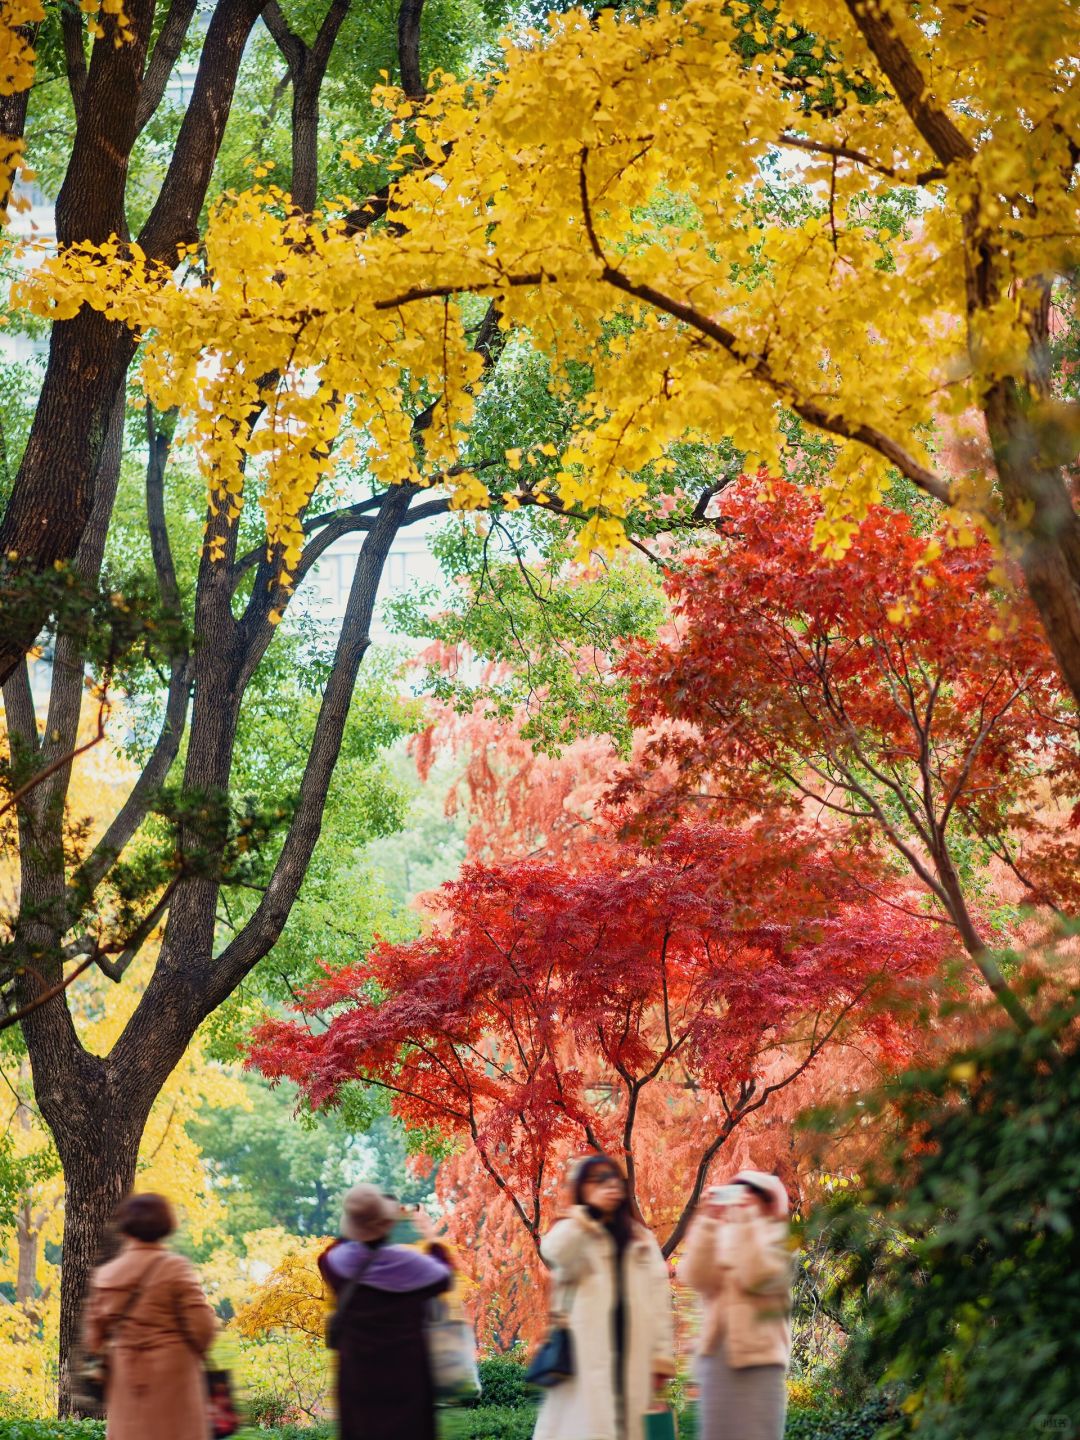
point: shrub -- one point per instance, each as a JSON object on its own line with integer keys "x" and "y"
{"x": 503, "y": 1384}
{"x": 95, "y": 1430}
{"x": 52, "y": 1430}
{"x": 270, "y": 1410}
{"x": 861, "y": 1424}
{"x": 976, "y": 1309}
{"x": 489, "y": 1422}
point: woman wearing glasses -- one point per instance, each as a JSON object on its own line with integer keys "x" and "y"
{"x": 611, "y": 1282}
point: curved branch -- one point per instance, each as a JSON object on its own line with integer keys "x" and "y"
{"x": 72, "y": 30}
{"x": 876, "y": 26}
{"x": 845, "y": 152}
{"x": 165, "y": 54}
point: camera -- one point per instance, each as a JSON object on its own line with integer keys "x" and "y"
{"x": 725, "y": 1194}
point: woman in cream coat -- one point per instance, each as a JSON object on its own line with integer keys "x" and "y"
{"x": 739, "y": 1260}
{"x": 611, "y": 1282}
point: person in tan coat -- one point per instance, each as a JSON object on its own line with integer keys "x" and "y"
{"x": 156, "y": 1386}
{"x": 739, "y": 1260}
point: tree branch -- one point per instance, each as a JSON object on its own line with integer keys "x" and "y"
{"x": 900, "y": 68}
{"x": 262, "y": 930}
{"x": 292, "y": 48}
{"x": 174, "y": 219}
{"x": 412, "y": 80}
{"x": 166, "y": 52}
{"x": 159, "y": 441}
{"x": 72, "y": 30}
{"x": 844, "y": 152}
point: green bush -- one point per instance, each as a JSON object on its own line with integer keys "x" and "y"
{"x": 503, "y": 1384}
{"x": 861, "y": 1424}
{"x": 489, "y": 1422}
{"x": 511, "y": 1421}
{"x": 269, "y": 1410}
{"x": 967, "y": 1242}
{"x": 95, "y": 1430}
{"x": 288, "y": 1432}
{"x": 52, "y": 1430}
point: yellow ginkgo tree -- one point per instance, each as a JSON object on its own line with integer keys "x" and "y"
{"x": 613, "y": 190}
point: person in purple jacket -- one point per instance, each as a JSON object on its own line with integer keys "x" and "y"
{"x": 384, "y": 1376}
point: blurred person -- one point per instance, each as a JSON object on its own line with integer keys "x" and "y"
{"x": 739, "y": 1260}
{"x": 147, "y": 1309}
{"x": 384, "y": 1386}
{"x": 611, "y": 1282}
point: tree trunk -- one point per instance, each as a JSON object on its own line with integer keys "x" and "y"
{"x": 99, "y": 1170}
{"x": 53, "y": 494}
{"x": 305, "y": 139}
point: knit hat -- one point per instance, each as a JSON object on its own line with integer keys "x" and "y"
{"x": 769, "y": 1187}
{"x": 367, "y": 1214}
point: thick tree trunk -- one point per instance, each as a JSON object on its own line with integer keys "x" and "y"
{"x": 53, "y": 494}
{"x": 99, "y": 1170}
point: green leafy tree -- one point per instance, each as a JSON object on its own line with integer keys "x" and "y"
{"x": 960, "y": 1254}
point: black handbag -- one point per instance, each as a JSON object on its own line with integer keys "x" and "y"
{"x": 554, "y": 1361}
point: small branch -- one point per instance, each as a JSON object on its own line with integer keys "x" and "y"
{"x": 15, "y": 1017}
{"x": 139, "y": 936}
{"x": 844, "y": 152}
{"x": 166, "y": 52}
{"x": 159, "y": 441}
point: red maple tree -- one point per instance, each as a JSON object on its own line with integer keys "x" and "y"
{"x": 902, "y": 692}
{"x": 683, "y": 985}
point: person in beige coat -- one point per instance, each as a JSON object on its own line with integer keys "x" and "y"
{"x": 156, "y": 1386}
{"x": 739, "y": 1260}
{"x": 611, "y": 1281}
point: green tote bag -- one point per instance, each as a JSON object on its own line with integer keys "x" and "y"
{"x": 660, "y": 1425}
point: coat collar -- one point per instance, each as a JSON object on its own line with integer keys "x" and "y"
{"x": 639, "y": 1241}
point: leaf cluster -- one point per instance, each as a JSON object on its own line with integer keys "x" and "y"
{"x": 963, "y": 1239}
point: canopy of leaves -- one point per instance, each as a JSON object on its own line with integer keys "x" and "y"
{"x": 905, "y": 693}
{"x": 548, "y": 188}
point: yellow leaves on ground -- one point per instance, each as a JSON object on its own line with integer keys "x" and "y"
{"x": 623, "y": 175}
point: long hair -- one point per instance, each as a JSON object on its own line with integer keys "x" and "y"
{"x": 627, "y": 1216}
